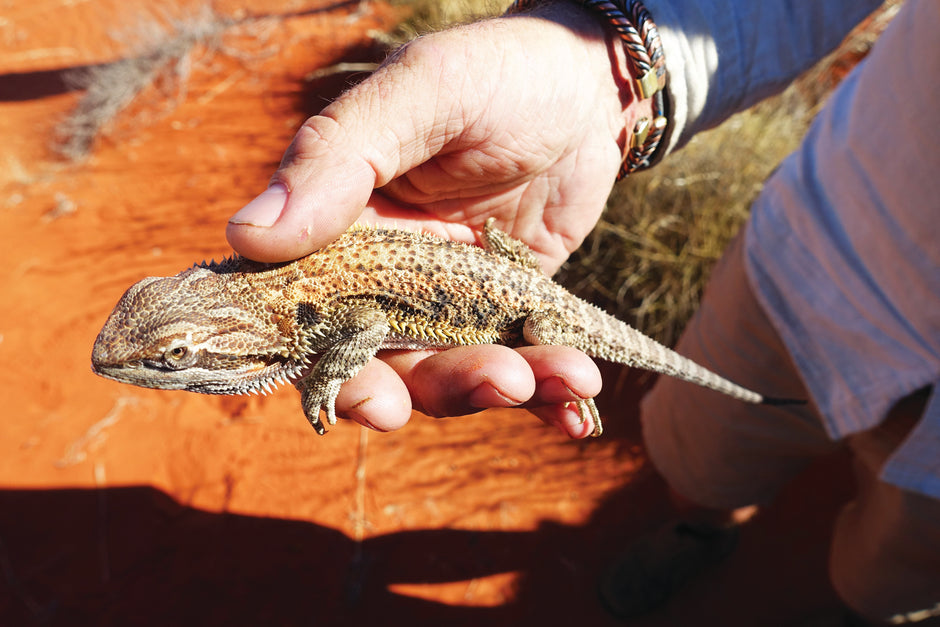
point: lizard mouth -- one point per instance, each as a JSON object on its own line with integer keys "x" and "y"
{"x": 262, "y": 379}
{"x": 258, "y": 377}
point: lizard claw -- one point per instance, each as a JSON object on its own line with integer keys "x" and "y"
{"x": 317, "y": 424}
{"x": 588, "y": 410}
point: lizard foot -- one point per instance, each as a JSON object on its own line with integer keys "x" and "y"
{"x": 587, "y": 410}
{"x": 315, "y": 396}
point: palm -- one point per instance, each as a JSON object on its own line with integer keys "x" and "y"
{"x": 551, "y": 208}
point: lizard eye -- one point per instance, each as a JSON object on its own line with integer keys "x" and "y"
{"x": 178, "y": 356}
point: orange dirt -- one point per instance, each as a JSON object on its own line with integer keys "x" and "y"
{"x": 124, "y": 506}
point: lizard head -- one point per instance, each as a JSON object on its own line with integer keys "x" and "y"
{"x": 195, "y": 331}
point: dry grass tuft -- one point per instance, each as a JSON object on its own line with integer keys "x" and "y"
{"x": 163, "y": 49}
{"x": 160, "y": 57}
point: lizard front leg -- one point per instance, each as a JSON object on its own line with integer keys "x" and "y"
{"x": 345, "y": 346}
{"x": 548, "y": 328}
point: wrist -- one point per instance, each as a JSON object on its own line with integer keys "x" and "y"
{"x": 637, "y": 63}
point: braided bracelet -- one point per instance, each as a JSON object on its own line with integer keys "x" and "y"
{"x": 644, "y": 49}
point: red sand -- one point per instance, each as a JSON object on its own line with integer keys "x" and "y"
{"x": 124, "y": 506}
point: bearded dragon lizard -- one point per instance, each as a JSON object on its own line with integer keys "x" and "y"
{"x": 240, "y": 326}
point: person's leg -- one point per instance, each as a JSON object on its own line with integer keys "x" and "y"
{"x": 885, "y": 561}
{"x": 716, "y": 451}
{"x": 718, "y": 454}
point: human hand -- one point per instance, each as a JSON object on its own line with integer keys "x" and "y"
{"x": 516, "y": 118}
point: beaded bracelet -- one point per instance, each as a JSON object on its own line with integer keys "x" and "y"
{"x": 644, "y": 49}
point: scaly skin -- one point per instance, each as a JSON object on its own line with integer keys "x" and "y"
{"x": 239, "y": 326}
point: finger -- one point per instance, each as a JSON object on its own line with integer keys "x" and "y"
{"x": 376, "y": 398}
{"x": 464, "y": 380}
{"x": 321, "y": 188}
{"x": 563, "y": 374}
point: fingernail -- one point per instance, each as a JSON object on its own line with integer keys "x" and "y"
{"x": 486, "y": 395}
{"x": 357, "y": 417}
{"x": 265, "y": 209}
{"x": 556, "y": 389}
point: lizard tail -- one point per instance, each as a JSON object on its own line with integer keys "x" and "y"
{"x": 635, "y": 349}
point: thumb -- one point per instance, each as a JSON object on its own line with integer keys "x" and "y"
{"x": 320, "y": 188}
{"x": 379, "y": 129}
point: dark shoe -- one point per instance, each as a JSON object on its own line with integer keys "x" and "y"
{"x": 660, "y": 563}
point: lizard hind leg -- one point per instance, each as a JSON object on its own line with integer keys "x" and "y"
{"x": 549, "y": 328}
{"x": 504, "y": 245}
